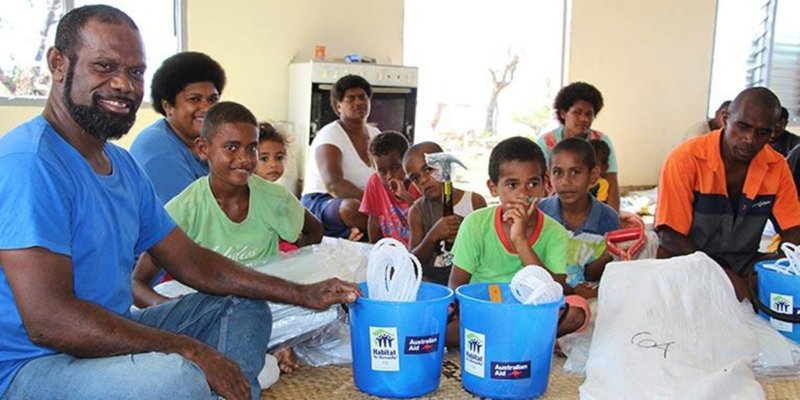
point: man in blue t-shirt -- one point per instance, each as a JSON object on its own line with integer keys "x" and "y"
{"x": 75, "y": 210}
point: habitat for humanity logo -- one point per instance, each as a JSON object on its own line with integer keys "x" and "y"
{"x": 474, "y": 352}
{"x": 511, "y": 370}
{"x": 421, "y": 344}
{"x": 781, "y": 303}
{"x": 383, "y": 348}
{"x": 383, "y": 338}
{"x": 474, "y": 343}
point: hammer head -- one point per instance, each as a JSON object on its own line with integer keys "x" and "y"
{"x": 443, "y": 162}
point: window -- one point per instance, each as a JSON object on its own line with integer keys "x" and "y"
{"x": 488, "y": 70}
{"x": 27, "y": 30}
{"x": 757, "y": 43}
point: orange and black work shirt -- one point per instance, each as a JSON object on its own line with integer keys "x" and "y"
{"x": 693, "y": 200}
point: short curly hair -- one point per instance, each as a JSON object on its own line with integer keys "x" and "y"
{"x": 346, "y": 83}
{"x": 68, "y": 31}
{"x": 601, "y": 150}
{"x": 180, "y": 70}
{"x": 579, "y": 147}
{"x": 574, "y": 92}
{"x": 225, "y": 112}
{"x": 268, "y": 133}
{"x": 388, "y": 142}
{"x": 515, "y": 148}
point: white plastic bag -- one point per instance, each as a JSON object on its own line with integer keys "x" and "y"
{"x": 778, "y": 357}
{"x": 576, "y": 345}
{"x": 670, "y": 329}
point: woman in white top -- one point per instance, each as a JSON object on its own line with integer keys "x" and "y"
{"x": 339, "y": 164}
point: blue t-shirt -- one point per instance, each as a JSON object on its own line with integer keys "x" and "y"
{"x": 53, "y": 199}
{"x": 169, "y": 164}
{"x": 602, "y": 218}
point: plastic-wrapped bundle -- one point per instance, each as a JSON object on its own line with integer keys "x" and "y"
{"x": 291, "y": 324}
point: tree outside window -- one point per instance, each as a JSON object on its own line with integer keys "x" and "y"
{"x": 27, "y": 30}
{"x": 488, "y": 70}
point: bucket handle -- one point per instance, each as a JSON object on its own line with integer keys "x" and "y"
{"x": 751, "y": 281}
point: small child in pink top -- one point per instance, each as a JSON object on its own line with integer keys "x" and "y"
{"x": 388, "y": 195}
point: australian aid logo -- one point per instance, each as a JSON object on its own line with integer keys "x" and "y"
{"x": 511, "y": 370}
{"x": 782, "y": 304}
{"x": 474, "y": 352}
{"x": 421, "y": 344}
{"x": 383, "y": 348}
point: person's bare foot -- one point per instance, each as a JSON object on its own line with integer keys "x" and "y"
{"x": 286, "y": 360}
{"x": 571, "y": 323}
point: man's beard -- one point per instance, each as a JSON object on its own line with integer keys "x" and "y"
{"x": 93, "y": 119}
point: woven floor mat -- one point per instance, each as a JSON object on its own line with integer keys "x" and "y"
{"x": 336, "y": 382}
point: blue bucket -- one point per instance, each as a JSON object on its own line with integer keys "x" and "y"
{"x": 777, "y": 292}
{"x": 506, "y": 348}
{"x": 398, "y": 346}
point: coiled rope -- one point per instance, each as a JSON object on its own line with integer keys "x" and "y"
{"x": 534, "y": 285}
{"x": 393, "y": 274}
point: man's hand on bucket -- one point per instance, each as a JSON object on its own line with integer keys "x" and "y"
{"x": 322, "y": 295}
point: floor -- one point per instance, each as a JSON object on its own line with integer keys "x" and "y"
{"x": 336, "y": 382}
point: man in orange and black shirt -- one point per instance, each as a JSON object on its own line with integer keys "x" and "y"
{"x": 717, "y": 191}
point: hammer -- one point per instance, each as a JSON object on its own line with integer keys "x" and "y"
{"x": 443, "y": 162}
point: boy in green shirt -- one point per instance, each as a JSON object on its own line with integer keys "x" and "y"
{"x": 231, "y": 211}
{"x": 494, "y": 243}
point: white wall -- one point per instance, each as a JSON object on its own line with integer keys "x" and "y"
{"x": 652, "y": 61}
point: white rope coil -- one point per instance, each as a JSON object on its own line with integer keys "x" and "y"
{"x": 393, "y": 274}
{"x": 789, "y": 265}
{"x": 534, "y": 285}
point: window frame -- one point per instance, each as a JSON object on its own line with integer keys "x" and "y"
{"x": 67, "y": 5}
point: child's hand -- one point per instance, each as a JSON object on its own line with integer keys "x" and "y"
{"x": 398, "y": 187}
{"x": 522, "y": 214}
{"x": 446, "y": 228}
{"x": 587, "y": 290}
{"x": 355, "y": 234}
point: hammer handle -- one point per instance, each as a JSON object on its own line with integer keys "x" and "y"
{"x": 447, "y": 199}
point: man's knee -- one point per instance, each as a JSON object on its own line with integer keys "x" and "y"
{"x": 349, "y": 214}
{"x": 252, "y": 318}
{"x": 257, "y": 309}
{"x": 348, "y": 207}
{"x": 170, "y": 376}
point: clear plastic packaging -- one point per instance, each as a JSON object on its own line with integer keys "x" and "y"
{"x": 327, "y": 346}
{"x": 292, "y": 324}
